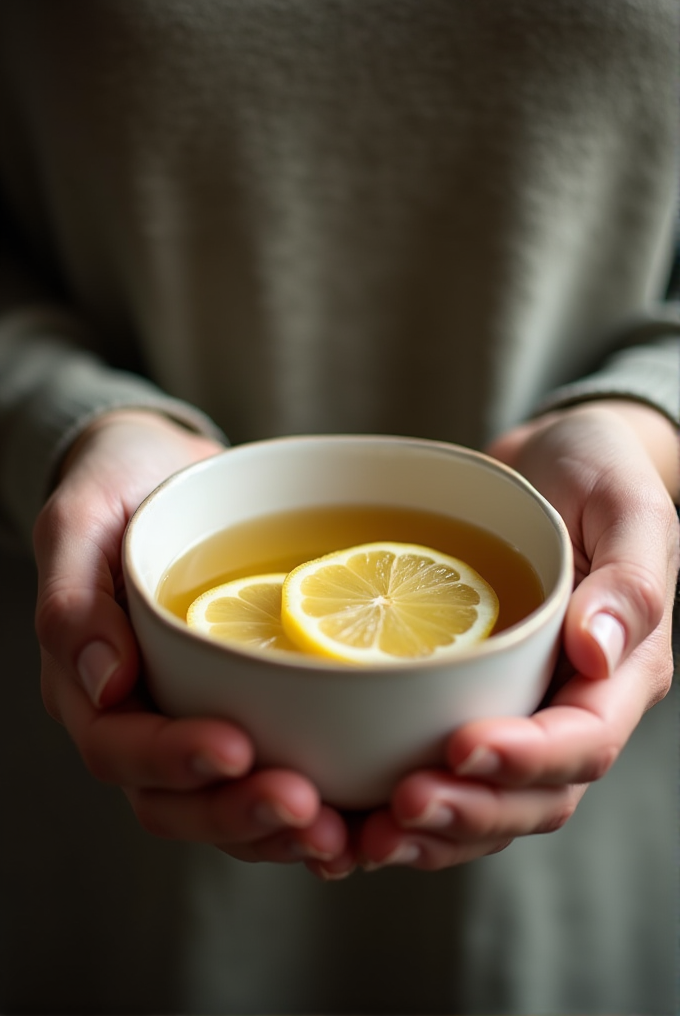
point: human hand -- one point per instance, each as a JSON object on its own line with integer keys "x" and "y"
{"x": 610, "y": 468}
{"x": 189, "y": 779}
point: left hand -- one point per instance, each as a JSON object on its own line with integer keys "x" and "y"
{"x": 190, "y": 779}
{"x": 610, "y": 469}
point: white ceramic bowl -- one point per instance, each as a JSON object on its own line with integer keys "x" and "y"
{"x": 354, "y": 731}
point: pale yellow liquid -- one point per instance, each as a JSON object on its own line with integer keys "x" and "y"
{"x": 277, "y": 543}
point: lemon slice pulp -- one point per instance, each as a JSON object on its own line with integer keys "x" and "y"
{"x": 384, "y": 602}
{"x": 246, "y": 612}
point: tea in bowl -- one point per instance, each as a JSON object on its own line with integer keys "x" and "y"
{"x": 352, "y": 712}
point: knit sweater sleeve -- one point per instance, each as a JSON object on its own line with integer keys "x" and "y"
{"x": 645, "y": 367}
{"x": 52, "y": 384}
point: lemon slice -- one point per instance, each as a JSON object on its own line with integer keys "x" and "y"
{"x": 246, "y": 612}
{"x": 384, "y": 602}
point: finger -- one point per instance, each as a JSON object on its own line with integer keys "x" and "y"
{"x": 78, "y": 619}
{"x": 241, "y": 812}
{"x": 346, "y": 862}
{"x": 334, "y": 869}
{"x": 576, "y": 739}
{"x": 323, "y": 843}
{"x": 385, "y": 844}
{"x": 470, "y": 811}
{"x": 630, "y": 536}
{"x": 131, "y": 746}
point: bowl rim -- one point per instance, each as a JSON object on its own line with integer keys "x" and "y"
{"x": 554, "y": 603}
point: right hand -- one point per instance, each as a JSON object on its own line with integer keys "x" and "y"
{"x": 189, "y": 779}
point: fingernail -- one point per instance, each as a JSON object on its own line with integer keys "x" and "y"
{"x": 480, "y": 762}
{"x": 435, "y": 816}
{"x": 610, "y": 636}
{"x": 274, "y": 815}
{"x": 405, "y": 853}
{"x": 333, "y": 876}
{"x": 96, "y": 664}
{"x": 306, "y": 852}
{"x": 212, "y": 768}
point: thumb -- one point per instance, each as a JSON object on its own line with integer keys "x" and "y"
{"x": 633, "y": 555}
{"x": 79, "y": 620}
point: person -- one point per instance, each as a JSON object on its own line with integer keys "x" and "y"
{"x": 224, "y": 221}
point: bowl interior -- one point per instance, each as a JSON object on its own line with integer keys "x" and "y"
{"x": 288, "y": 473}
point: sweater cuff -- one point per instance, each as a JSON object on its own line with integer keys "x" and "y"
{"x": 57, "y": 391}
{"x": 647, "y": 373}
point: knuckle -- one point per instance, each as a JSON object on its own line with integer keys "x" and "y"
{"x": 647, "y": 594}
{"x": 56, "y": 603}
{"x": 562, "y": 811}
{"x": 652, "y": 594}
{"x": 58, "y": 517}
{"x": 488, "y": 826}
{"x": 600, "y": 763}
{"x": 493, "y": 822}
{"x": 488, "y": 819}
{"x": 557, "y": 820}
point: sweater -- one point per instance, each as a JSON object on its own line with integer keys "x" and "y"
{"x": 428, "y": 219}
{"x": 263, "y": 217}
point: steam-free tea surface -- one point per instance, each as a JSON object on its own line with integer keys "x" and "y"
{"x": 280, "y": 542}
